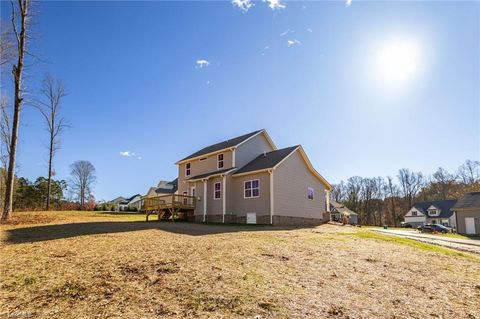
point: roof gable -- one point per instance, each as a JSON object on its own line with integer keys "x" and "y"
{"x": 445, "y": 207}
{"x": 266, "y": 160}
{"x": 230, "y": 143}
{"x": 271, "y": 160}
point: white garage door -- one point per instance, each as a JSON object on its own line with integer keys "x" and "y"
{"x": 470, "y": 225}
{"x": 251, "y": 218}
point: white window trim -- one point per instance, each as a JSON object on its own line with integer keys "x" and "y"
{"x": 214, "y": 191}
{"x": 223, "y": 161}
{"x": 244, "y": 189}
{"x": 313, "y": 189}
{"x": 189, "y": 169}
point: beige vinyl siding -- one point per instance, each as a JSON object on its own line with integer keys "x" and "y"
{"x": 291, "y": 180}
{"x": 249, "y": 150}
{"x": 214, "y": 206}
{"x": 199, "y": 194}
{"x": 260, "y": 205}
{"x": 200, "y": 167}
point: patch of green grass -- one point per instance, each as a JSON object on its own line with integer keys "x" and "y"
{"x": 25, "y": 280}
{"x": 415, "y": 244}
{"x": 461, "y": 236}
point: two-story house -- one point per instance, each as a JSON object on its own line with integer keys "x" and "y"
{"x": 433, "y": 212}
{"x": 246, "y": 179}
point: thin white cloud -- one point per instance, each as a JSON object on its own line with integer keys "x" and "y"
{"x": 284, "y": 33}
{"x": 243, "y": 5}
{"x": 130, "y": 154}
{"x": 127, "y": 154}
{"x": 293, "y": 42}
{"x": 348, "y": 3}
{"x": 309, "y": 30}
{"x": 202, "y": 64}
{"x": 208, "y": 82}
{"x": 275, "y": 4}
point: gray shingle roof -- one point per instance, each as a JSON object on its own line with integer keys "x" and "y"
{"x": 205, "y": 175}
{"x": 335, "y": 206}
{"x": 168, "y": 190}
{"x": 469, "y": 200}
{"x": 445, "y": 207}
{"x": 222, "y": 145}
{"x": 266, "y": 161}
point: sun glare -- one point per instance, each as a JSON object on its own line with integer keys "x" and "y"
{"x": 398, "y": 62}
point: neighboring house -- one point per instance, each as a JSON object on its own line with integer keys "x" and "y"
{"x": 434, "y": 212}
{"x": 132, "y": 203}
{"x": 248, "y": 180}
{"x": 467, "y": 213}
{"x": 340, "y": 213}
{"x": 163, "y": 188}
{"x": 116, "y": 201}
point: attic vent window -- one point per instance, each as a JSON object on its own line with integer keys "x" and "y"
{"x": 203, "y": 158}
{"x": 220, "y": 161}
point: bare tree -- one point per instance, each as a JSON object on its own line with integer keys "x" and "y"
{"x": 20, "y": 34}
{"x": 53, "y": 92}
{"x": 5, "y": 130}
{"x": 353, "y": 189}
{"x": 391, "y": 191}
{"x": 469, "y": 172}
{"x": 7, "y": 47}
{"x": 444, "y": 182}
{"x": 338, "y": 193}
{"x": 83, "y": 178}
{"x": 410, "y": 184}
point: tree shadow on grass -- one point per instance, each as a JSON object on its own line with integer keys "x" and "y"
{"x": 59, "y": 231}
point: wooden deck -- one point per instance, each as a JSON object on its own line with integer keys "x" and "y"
{"x": 169, "y": 206}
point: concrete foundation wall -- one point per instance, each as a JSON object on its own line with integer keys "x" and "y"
{"x": 295, "y": 221}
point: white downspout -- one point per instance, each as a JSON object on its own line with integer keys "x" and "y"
{"x": 271, "y": 196}
{"x": 224, "y": 197}
{"x": 233, "y": 157}
{"x": 204, "y": 199}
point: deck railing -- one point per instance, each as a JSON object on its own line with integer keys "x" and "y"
{"x": 168, "y": 201}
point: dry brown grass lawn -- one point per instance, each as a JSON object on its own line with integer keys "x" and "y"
{"x": 87, "y": 265}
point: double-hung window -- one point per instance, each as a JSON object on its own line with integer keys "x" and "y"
{"x": 252, "y": 188}
{"x": 310, "y": 193}
{"x": 187, "y": 169}
{"x": 220, "y": 161}
{"x": 217, "y": 194}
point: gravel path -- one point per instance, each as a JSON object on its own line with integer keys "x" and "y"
{"x": 470, "y": 245}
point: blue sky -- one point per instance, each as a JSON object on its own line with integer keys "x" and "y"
{"x": 366, "y": 88}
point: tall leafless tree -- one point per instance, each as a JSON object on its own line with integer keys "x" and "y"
{"x": 444, "y": 182}
{"x": 20, "y": 12}
{"x": 7, "y": 44}
{"x": 53, "y": 92}
{"x": 338, "y": 192}
{"x": 410, "y": 184}
{"x": 83, "y": 178}
{"x": 391, "y": 191}
{"x": 469, "y": 172}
